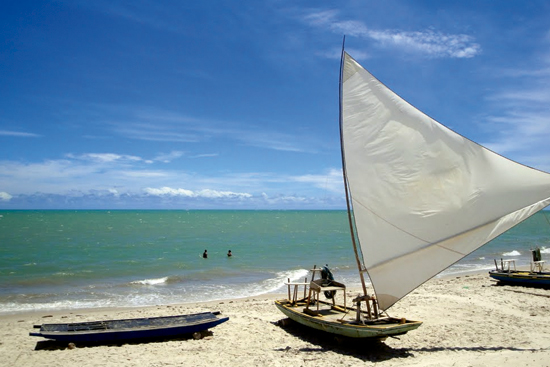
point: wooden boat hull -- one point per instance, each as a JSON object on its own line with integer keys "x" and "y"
{"x": 524, "y": 278}
{"x": 130, "y": 329}
{"x": 328, "y": 321}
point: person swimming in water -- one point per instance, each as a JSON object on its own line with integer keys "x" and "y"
{"x": 229, "y": 254}
{"x": 205, "y": 255}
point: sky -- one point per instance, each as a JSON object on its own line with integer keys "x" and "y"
{"x": 215, "y": 104}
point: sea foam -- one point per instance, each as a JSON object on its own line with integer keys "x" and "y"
{"x": 156, "y": 281}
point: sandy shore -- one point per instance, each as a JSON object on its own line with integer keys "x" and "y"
{"x": 468, "y": 321}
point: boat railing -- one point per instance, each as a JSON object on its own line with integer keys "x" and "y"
{"x": 313, "y": 288}
{"x": 296, "y": 285}
{"x": 506, "y": 265}
{"x": 537, "y": 266}
{"x": 295, "y": 288}
{"x": 509, "y": 266}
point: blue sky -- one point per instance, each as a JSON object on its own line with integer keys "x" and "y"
{"x": 234, "y": 104}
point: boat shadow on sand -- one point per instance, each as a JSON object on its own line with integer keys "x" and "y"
{"x": 364, "y": 349}
{"x": 367, "y": 350}
{"x": 58, "y": 345}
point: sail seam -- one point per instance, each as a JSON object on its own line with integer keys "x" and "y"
{"x": 438, "y": 243}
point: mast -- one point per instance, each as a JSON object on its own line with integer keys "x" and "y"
{"x": 346, "y": 186}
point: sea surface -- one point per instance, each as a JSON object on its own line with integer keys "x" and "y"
{"x": 51, "y": 260}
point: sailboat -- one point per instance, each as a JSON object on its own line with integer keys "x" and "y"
{"x": 420, "y": 197}
{"x": 536, "y": 276}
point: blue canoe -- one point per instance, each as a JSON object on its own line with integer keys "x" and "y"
{"x": 524, "y": 278}
{"x": 130, "y": 329}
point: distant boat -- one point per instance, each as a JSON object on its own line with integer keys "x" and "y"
{"x": 130, "y": 329}
{"x": 420, "y": 198}
{"x": 536, "y": 276}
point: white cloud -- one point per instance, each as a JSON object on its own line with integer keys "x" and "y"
{"x": 427, "y": 42}
{"x": 435, "y": 44}
{"x": 214, "y": 194}
{"x": 168, "y": 191}
{"x": 4, "y": 196}
{"x": 205, "y": 193}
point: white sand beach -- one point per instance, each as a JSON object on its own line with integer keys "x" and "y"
{"x": 468, "y": 321}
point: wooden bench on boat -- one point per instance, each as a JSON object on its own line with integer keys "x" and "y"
{"x": 316, "y": 287}
{"x": 323, "y": 285}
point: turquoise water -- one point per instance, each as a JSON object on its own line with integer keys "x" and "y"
{"x": 76, "y": 259}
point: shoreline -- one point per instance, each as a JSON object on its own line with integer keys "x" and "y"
{"x": 467, "y": 321}
{"x": 274, "y": 295}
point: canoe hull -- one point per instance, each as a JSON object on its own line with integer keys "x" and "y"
{"x": 524, "y": 278}
{"x": 130, "y": 329}
{"x": 329, "y": 323}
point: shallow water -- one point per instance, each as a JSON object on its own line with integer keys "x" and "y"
{"x": 76, "y": 259}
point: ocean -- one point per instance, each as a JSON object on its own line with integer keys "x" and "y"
{"x": 52, "y": 260}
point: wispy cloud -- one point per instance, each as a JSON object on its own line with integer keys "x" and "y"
{"x": 169, "y": 157}
{"x": 111, "y": 199}
{"x": 205, "y": 155}
{"x": 125, "y": 158}
{"x": 84, "y": 173}
{"x": 160, "y": 131}
{"x": 331, "y": 181}
{"x": 520, "y": 123}
{"x": 109, "y": 180}
{"x": 269, "y": 140}
{"x": 144, "y": 12}
{"x": 18, "y": 134}
{"x": 145, "y": 174}
{"x": 151, "y": 124}
{"x": 285, "y": 199}
{"x": 107, "y": 157}
{"x": 427, "y": 42}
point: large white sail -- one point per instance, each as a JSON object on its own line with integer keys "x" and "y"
{"x": 423, "y": 197}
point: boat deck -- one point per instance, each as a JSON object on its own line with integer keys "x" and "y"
{"x": 338, "y": 313}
